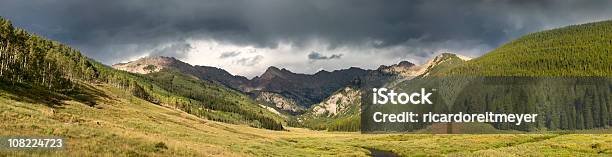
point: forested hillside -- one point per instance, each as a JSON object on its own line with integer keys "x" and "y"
{"x": 580, "y": 50}
{"x": 30, "y": 59}
{"x": 564, "y": 75}
{"x": 235, "y": 107}
{"x": 37, "y": 65}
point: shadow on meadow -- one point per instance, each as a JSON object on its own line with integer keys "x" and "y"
{"x": 85, "y": 94}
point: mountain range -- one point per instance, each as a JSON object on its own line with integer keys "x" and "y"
{"x": 160, "y": 106}
{"x": 304, "y": 89}
{"x": 40, "y": 66}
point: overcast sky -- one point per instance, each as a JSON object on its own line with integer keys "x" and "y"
{"x": 305, "y": 36}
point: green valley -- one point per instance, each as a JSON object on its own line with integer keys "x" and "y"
{"x": 124, "y": 125}
{"x": 50, "y": 89}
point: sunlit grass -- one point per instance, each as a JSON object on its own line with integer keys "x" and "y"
{"x": 121, "y": 125}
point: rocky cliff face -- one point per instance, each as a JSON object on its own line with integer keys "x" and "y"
{"x": 344, "y": 102}
{"x": 150, "y": 64}
{"x": 409, "y": 70}
{"x": 279, "y": 102}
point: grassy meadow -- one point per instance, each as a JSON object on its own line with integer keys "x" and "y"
{"x": 123, "y": 125}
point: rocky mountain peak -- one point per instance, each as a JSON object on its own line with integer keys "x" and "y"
{"x": 339, "y": 103}
{"x": 409, "y": 70}
{"x": 279, "y": 102}
{"x": 446, "y": 55}
{"x": 147, "y": 65}
{"x": 273, "y": 71}
{"x": 322, "y": 72}
{"x": 405, "y": 64}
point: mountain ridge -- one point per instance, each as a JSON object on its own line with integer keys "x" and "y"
{"x": 304, "y": 89}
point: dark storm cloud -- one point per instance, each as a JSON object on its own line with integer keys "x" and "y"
{"x": 178, "y": 50}
{"x": 249, "y": 61}
{"x": 317, "y": 56}
{"x": 229, "y": 54}
{"x": 112, "y": 29}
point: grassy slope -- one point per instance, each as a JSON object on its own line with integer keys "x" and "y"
{"x": 235, "y": 104}
{"x": 121, "y": 124}
{"x": 198, "y": 97}
{"x": 126, "y": 125}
